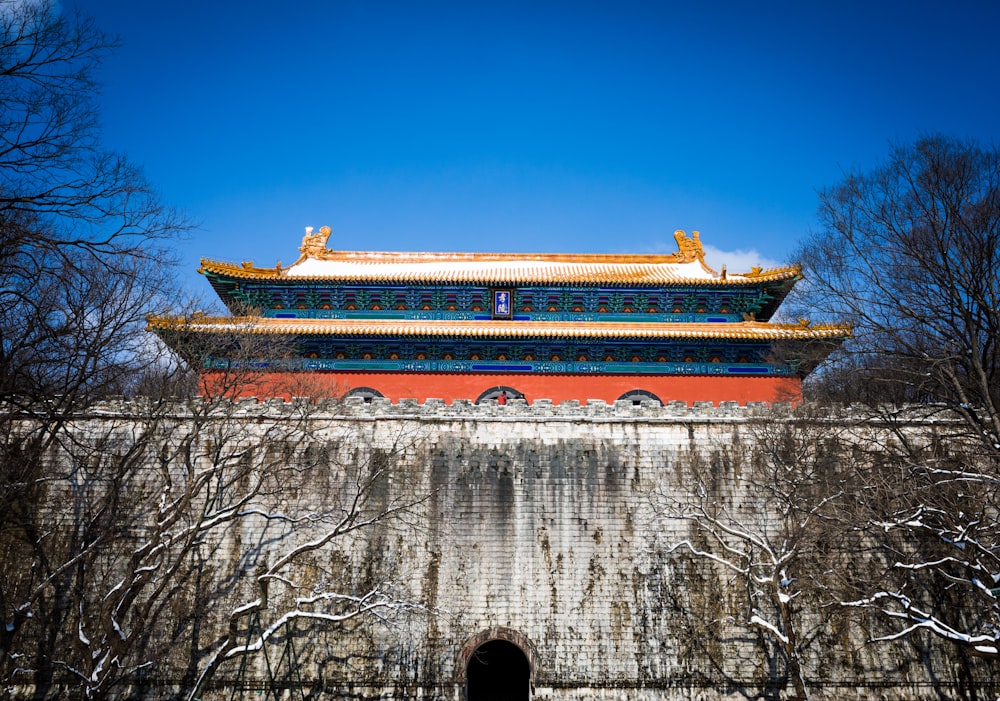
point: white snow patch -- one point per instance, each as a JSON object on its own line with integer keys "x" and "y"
{"x": 352, "y": 269}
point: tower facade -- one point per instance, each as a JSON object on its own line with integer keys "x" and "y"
{"x": 484, "y": 326}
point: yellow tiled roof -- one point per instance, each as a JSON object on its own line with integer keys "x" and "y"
{"x": 749, "y": 330}
{"x": 514, "y": 271}
{"x": 317, "y": 262}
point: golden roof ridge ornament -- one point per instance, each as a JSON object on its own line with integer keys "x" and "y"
{"x": 314, "y": 245}
{"x": 689, "y": 249}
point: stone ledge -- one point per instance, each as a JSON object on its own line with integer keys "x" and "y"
{"x": 515, "y": 410}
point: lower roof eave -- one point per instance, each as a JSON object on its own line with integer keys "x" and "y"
{"x": 500, "y": 329}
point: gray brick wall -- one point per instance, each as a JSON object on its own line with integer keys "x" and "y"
{"x": 538, "y": 527}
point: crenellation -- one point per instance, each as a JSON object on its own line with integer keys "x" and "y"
{"x": 517, "y": 410}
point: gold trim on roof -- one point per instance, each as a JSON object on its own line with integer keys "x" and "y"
{"x": 509, "y": 268}
{"x": 603, "y": 273}
{"x": 747, "y": 330}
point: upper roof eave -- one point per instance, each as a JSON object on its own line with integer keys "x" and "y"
{"x": 606, "y": 270}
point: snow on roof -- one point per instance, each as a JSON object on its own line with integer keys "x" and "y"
{"x": 317, "y": 262}
{"x": 500, "y": 271}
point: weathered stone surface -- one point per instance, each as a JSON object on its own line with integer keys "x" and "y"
{"x": 538, "y": 528}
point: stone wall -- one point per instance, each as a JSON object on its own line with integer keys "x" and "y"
{"x": 539, "y": 526}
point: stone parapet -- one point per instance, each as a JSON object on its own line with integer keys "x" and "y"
{"x": 519, "y": 410}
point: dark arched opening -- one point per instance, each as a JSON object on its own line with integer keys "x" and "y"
{"x": 638, "y": 396}
{"x": 498, "y": 671}
{"x": 366, "y": 393}
{"x": 493, "y": 394}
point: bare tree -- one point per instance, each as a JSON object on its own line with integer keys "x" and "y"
{"x": 83, "y": 236}
{"x": 109, "y": 516}
{"x": 910, "y": 253}
{"x": 111, "y": 512}
{"x": 59, "y": 186}
{"x": 105, "y": 562}
{"x": 283, "y": 598}
{"x": 767, "y": 527}
{"x": 932, "y": 507}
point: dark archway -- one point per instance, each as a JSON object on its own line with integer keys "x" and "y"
{"x": 493, "y": 393}
{"x": 498, "y": 671}
{"x": 638, "y": 396}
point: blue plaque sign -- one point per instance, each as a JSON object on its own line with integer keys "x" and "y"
{"x": 501, "y": 304}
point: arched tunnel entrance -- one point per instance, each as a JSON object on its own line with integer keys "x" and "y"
{"x": 498, "y": 671}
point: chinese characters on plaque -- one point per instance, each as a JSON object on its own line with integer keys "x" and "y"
{"x": 501, "y": 304}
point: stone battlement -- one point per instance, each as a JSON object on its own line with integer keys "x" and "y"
{"x": 539, "y": 410}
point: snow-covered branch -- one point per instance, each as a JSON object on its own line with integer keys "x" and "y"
{"x": 778, "y": 506}
{"x": 897, "y": 605}
{"x": 139, "y": 505}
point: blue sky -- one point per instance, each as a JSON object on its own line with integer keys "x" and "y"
{"x": 530, "y": 126}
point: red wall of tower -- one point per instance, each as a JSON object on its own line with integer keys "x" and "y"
{"x": 558, "y": 388}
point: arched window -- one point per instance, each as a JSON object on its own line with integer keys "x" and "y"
{"x": 366, "y": 393}
{"x": 493, "y": 394}
{"x": 638, "y": 396}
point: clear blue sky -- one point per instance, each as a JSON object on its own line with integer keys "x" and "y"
{"x": 530, "y": 126}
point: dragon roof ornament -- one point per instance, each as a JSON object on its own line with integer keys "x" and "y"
{"x": 314, "y": 245}
{"x": 689, "y": 250}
